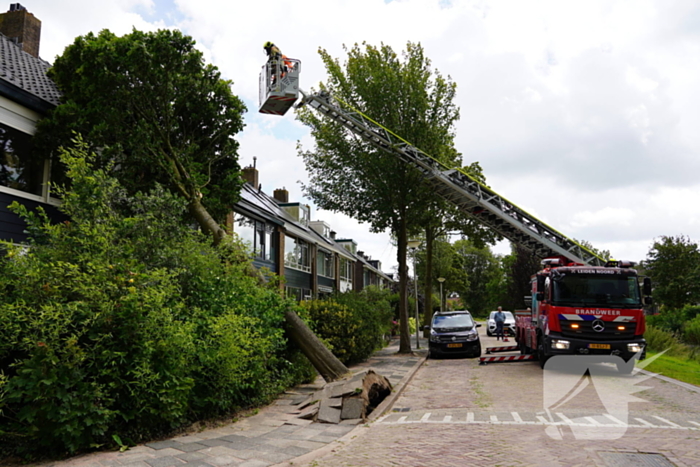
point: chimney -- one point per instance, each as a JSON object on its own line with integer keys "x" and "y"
{"x": 21, "y": 27}
{"x": 250, "y": 174}
{"x": 281, "y": 195}
{"x": 333, "y": 234}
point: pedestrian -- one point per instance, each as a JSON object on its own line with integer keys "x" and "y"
{"x": 500, "y": 319}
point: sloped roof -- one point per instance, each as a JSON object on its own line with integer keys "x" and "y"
{"x": 26, "y": 73}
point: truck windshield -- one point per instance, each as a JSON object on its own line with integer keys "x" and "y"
{"x": 581, "y": 289}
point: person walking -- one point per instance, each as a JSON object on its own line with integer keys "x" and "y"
{"x": 500, "y": 319}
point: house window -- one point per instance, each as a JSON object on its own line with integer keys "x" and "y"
{"x": 257, "y": 234}
{"x": 325, "y": 264}
{"x": 346, "y": 269}
{"x": 18, "y": 170}
{"x": 296, "y": 254}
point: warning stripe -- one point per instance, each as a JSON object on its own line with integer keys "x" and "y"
{"x": 507, "y": 348}
{"x": 506, "y": 358}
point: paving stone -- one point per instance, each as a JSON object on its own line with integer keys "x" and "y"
{"x": 256, "y": 463}
{"x": 189, "y": 447}
{"x": 222, "y": 461}
{"x": 353, "y": 408}
{"x": 158, "y": 445}
{"x": 192, "y": 456}
{"x": 327, "y": 414}
{"x": 167, "y": 461}
{"x": 214, "y": 442}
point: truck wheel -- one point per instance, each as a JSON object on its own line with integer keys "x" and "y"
{"x": 542, "y": 357}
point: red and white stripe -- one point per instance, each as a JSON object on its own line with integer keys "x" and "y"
{"x": 506, "y": 358}
{"x": 507, "y": 348}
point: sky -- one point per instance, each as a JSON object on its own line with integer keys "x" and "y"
{"x": 583, "y": 113}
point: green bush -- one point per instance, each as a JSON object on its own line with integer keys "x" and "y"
{"x": 660, "y": 340}
{"x": 125, "y": 322}
{"x": 691, "y": 331}
{"x": 352, "y": 324}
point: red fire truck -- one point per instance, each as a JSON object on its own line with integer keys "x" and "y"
{"x": 585, "y": 310}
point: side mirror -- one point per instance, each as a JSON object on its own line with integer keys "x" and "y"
{"x": 540, "y": 296}
{"x": 646, "y": 288}
{"x": 426, "y": 327}
{"x": 478, "y": 325}
{"x": 540, "y": 284}
{"x": 648, "y": 300}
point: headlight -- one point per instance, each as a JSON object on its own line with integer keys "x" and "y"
{"x": 634, "y": 348}
{"x": 560, "y": 344}
{"x": 433, "y": 336}
{"x": 472, "y": 335}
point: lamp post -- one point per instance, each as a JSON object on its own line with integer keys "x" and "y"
{"x": 441, "y": 280}
{"x": 413, "y": 245}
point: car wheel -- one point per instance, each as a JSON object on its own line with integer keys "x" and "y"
{"x": 488, "y": 333}
{"x": 477, "y": 351}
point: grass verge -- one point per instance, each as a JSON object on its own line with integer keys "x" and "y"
{"x": 682, "y": 369}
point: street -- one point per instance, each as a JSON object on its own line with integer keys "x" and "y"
{"x": 456, "y": 412}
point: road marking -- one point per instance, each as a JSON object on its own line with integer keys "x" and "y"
{"x": 565, "y": 418}
{"x": 667, "y": 421}
{"x": 644, "y": 422}
{"x": 485, "y": 418}
{"x": 616, "y": 420}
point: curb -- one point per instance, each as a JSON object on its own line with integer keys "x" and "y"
{"x": 690, "y": 387}
{"x": 384, "y": 407}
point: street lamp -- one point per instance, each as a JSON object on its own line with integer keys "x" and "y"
{"x": 441, "y": 280}
{"x": 413, "y": 244}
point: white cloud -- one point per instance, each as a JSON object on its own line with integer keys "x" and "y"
{"x": 583, "y": 113}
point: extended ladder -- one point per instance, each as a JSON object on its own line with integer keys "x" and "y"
{"x": 458, "y": 187}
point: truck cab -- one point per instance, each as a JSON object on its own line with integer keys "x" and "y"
{"x": 585, "y": 310}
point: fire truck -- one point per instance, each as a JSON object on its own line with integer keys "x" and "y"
{"x": 585, "y": 310}
{"x": 581, "y": 303}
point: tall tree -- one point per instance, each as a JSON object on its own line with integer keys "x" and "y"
{"x": 673, "y": 263}
{"x": 155, "y": 113}
{"x": 522, "y": 266}
{"x": 350, "y": 175}
{"x": 482, "y": 269}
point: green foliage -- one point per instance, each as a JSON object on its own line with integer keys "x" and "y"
{"x": 155, "y": 110}
{"x": 353, "y": 324}
{"x": 482, "y": 269}
{"x": 691, "y": 331}
{"x": 125, "y": 322}
{"x": 673, "y": 263}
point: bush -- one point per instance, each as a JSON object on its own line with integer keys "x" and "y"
{"x": 125, "y": 322}
{"x": 691, "y": 331}
{"x": 352, "y": 324}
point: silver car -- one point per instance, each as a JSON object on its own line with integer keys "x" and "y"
{"x": 508, "y": 325}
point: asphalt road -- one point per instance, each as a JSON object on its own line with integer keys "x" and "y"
{"x": 455, "y": 412}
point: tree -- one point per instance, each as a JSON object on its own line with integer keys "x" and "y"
{"x": 481, "y": 268}
{"x": 522, "y": 266}
{"x": 155, "y": 113}
{"x": 673, "y": 263}
{"x": 351, "y": 176}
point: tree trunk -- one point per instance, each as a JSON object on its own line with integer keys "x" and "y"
{"x": 405, "y": 338}
{"x": 205, "y": 221}
{"x": 428, "y": 294}
{"x": 327, "y": 364}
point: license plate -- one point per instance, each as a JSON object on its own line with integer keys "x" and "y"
{"x": 599, "y": 346}
{"x": 452, "y": 346}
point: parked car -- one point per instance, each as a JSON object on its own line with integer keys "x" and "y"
{"x": 508, "y": 326}
{"x": 454, "y": 333}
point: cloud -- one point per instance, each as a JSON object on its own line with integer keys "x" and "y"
{"x": 583, "y": 113}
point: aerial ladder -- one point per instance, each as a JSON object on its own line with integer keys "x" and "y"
{"x": 453, "y": 184}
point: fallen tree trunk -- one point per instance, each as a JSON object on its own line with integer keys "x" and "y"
{"x": 327, "y": 364}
